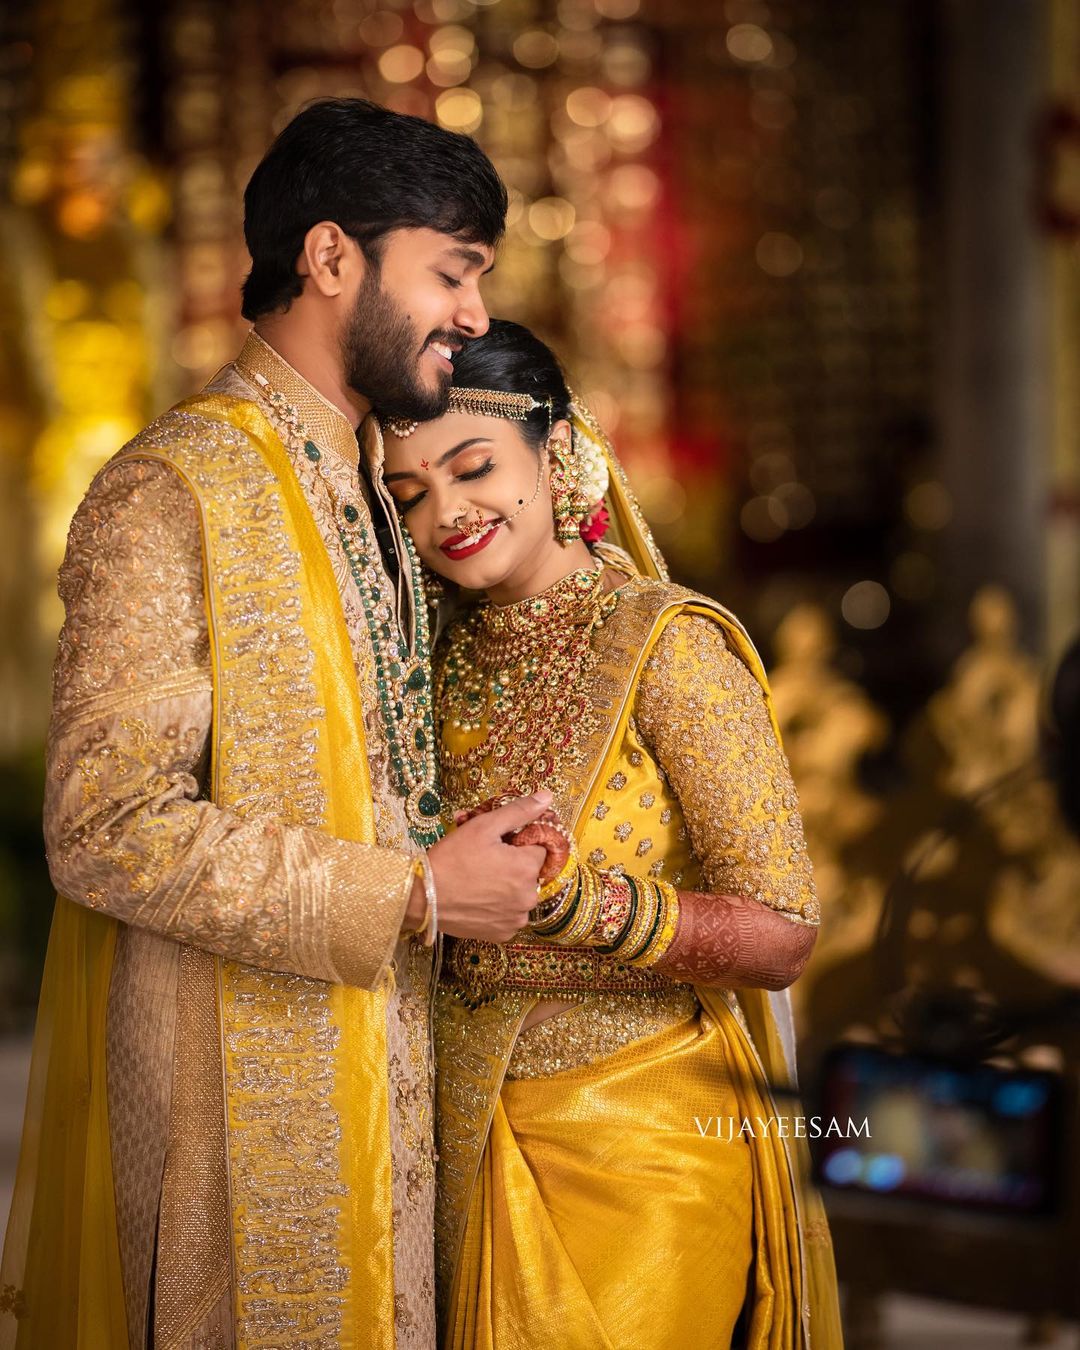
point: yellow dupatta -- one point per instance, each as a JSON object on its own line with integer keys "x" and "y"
{"x": 304, "y": 1063}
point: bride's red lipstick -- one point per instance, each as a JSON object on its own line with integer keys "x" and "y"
{"x": 456, "y": 554}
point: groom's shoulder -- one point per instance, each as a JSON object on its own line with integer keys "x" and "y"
{"x": 199, "y": 430}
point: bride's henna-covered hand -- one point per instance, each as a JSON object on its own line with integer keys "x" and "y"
{"x": 546, "y": 832}
{"x": 729, "y": 941}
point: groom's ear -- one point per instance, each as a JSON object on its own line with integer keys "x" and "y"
{"x": 327, "y": 258}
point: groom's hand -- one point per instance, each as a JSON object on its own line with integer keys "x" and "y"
{"x": 485, "y": 886}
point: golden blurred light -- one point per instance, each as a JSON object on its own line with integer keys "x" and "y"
{"x": 447, "y": 10}
{"x": 662, "y": 498}
{"x": 617, "y": 9}
{"x": 783, "y": 52}
{"x": 580, "y": 276}
{"x": 552, "y": 218}
{"x": 459, "y": 110}
{"x": 778, "y": 254}
{"x": 580, "y": 47}
{"x": 630, "y": 293}
{"x": 748, "y": 43}
{"x": 798, "y": 504}
{"x": 763, "y": 519}
{"x": 633, "y": 187}
{"x": 148, "y": 203}
{"x": 576, "y": 15}
{"x": 588, "y": 242}
{"x": 381, "y": 28}
{"x": 633, "y": 123}
{"x": 642, "y": 345}
{"x": 401, "y": 64}
{"x": 626, "y": 63}
{"x": 588, "y": 107}
{"x": 513, "y": 92}
{"x": 66, "y": 300}
{"x": 771, "y": 468}
{"x": 535, "y": 48}
{"x": 585, "y": 150}
{"x": 866, "y": 604}
{"x": 929, "y": 506}
{"x": 446, "y": 69}
{"x": 452, "y": 38}
{"x": 125, "y": 301}
{"x": 83, "y": 213}
{"x": 912, "y": 576}
{"x": 197, "y": 345}
{"x": 31, "y": 181}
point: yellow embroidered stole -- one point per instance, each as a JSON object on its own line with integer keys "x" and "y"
{"x": 305, "y": 1072}
{"x": 475, "y": 1044}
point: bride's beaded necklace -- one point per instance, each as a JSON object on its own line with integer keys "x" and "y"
{"x": 512, "y": 692}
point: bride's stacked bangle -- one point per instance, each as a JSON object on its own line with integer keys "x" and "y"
{"x": 631, "y": 918}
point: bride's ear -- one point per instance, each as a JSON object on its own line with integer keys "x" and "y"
{"x": 559, "y": 438}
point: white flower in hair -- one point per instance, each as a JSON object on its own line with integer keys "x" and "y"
{"x": 591, "y": 461}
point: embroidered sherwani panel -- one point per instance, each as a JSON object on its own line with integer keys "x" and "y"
{"x": 130, "y": 832}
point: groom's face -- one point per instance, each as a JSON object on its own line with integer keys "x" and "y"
{"x": 413, "y": 314}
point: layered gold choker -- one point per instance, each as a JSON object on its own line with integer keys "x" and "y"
{"x": 514, "y": 684}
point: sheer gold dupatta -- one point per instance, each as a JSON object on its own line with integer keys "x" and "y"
{"x": 61, "y": 1275}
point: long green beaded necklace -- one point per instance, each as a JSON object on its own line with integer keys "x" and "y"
{"x": 404, "y": 685}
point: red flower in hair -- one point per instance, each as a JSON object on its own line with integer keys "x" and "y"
{"x": 594, "y": 527}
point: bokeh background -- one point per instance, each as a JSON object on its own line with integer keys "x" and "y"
{"x": 815, "y": 268}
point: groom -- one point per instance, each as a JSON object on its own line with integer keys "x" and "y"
{"x": 241, "y": 778}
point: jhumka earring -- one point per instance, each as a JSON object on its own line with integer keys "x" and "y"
{"x": 568, "y": 504}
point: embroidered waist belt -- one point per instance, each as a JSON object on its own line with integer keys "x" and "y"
{"x": 478, "y": 971}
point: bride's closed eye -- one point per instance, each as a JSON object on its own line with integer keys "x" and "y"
{"x": 469, "y": 476}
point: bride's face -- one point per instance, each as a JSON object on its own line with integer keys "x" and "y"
{"x": 475, "y": 496}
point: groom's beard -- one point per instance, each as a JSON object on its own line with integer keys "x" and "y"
{"x": 382, "y": 359}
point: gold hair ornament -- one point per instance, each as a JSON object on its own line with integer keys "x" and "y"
{"x": 477, "y": 402}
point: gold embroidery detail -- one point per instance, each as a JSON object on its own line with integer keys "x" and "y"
{"x": 595, "y": 1028}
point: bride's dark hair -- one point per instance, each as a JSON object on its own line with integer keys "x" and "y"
{"x": 514, "y": 361}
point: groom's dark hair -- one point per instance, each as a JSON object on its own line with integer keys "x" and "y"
{"x": 371, "y": 171}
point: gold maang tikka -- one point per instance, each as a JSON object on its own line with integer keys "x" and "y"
{"x": 479, "y": 402}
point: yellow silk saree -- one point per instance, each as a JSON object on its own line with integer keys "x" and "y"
{"x": 582, "y": 1201}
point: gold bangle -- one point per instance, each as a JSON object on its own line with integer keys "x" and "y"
{"x": 665, "y": 932}
{"x": 588, "y": 911}
{"x": 644, "y": 919}
{"x": 553, "y": 915}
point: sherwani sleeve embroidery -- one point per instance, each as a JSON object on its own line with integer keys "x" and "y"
{"x": 128, "y": 828}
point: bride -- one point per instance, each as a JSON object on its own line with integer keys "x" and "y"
{"x": 588, "y": 1071}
